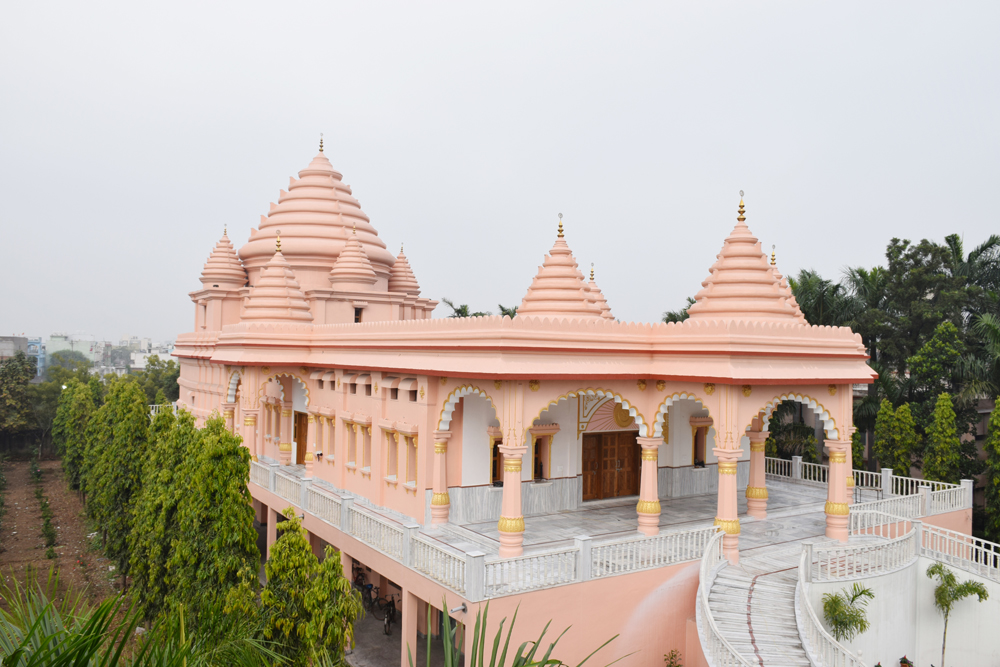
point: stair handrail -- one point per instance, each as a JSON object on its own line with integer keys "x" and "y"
{"x": 821, "y": 647}
{"x": 718, "y": 651}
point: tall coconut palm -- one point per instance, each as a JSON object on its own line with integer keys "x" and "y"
{"x": 823, "y": 302}
{"x": 462, "y": 310}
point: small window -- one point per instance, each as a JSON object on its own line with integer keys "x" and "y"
{"x": 357, "y": 314}
{"x": 366, "y": 438}
{"x": 368, "y": 390}
{"x": 411, "y": 459}
{"x": 354, "y": 387}
{"x": 320, "y": 384}
{"x": 394, "y": 394}
{"x": 413, "y": 395}
{"x": 392, "y": 458}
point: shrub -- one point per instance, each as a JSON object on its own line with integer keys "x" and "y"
{"x": 845, "y": 611}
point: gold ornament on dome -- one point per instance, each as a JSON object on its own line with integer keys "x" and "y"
{"x": 622, "y": 416}
{"x": 641, "y": 384}
{"x": 832, "y": 389}
{"x": 660, "y": 385}
{"x": 533, "y": 385}
{"x": 709, "y": 388}
{"x": 497, "y": 384}
{"x": 747, "y": 390}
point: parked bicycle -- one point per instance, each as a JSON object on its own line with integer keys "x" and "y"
{"x": 387, "y": 609}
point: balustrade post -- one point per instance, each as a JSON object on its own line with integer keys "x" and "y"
{"x": 837, "y": 510}
{"x": 925, "y": 500}
{"x": 886, "y": 482}
{"x": 440, "y": 500}
{"x": 475, "y": 576}
{"x": 809, "y": 562}
{"x": 727, "y": 516}
{"x": 796, "y": 467}
{"x": 756, "y": 492}
{"x": 970, "y": 488}
{"x": 304, "y": 494}
{"x": 648, "y": 508}
{"x": 346, "y": 507}
{"x": 918, "y": 536}
{"x": 583, "y": 567}
{"x": 511, "y": 524}
{"x": 272, "y": 473}
{"x": 410, "y": 531}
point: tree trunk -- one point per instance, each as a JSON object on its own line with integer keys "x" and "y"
{"x": 944, "y": 639}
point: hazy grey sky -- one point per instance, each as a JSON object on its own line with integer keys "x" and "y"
{"x": 130, "y": 134}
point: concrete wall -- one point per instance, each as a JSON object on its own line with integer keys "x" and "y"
{"x": 477, "y": 416}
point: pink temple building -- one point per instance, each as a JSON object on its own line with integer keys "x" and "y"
{"x": 597, "y": 472}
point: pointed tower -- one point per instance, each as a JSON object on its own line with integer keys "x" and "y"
{"x": 352, "y": 272}
{"x": 596, "y": 297}
{"x": 742, "y": 285}
{"x": 401, "y": 278}
{"x": 223, "y": 270}
{"x": 276, "y": 296}
{"x": 558, "y": 290}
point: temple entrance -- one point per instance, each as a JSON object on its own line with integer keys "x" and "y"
{"x": 610, "y": 465}
{"x": 300, "y": 429}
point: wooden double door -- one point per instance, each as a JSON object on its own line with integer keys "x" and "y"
{"x": 610, "y": 465}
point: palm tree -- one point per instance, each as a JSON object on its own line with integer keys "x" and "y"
{"x": 949, "y": 591}
{"x": 981, "y": 267}
{"x": 678, "y": 315}
{"x": 509, "y": 312}
{"x": 823, "y": 302}
{"x": 462, "y": 311}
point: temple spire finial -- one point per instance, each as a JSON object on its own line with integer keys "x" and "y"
{"x": 773, "y": 262}
{"x": 560, "y": 226}
{"x": 277, "y": 240}
{"x": 225, "y": 230}
{"x": 591, "y": 272}
{"x": 320, "y": 142}
{"x": 741, "y": 217}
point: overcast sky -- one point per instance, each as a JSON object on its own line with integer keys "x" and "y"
{"x": 130, "y": 134}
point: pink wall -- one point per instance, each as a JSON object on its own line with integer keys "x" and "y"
{"x": 960, "y": 521}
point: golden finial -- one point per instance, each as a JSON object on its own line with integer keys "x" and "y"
{"x": 591, "y": 272}
{"x": 400, "y": 248}
{"x": 320, "y": 142}
{"x": 741, "y": 217}
{"x": 560, "y": 226}
{"x": 277, "y": 240}
{"x": 225, "y": 230}
{"x": 354, "y": 229}
{"x": 773, "y": 262}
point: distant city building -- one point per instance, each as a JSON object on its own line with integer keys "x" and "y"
{"x": 11, "y": 345}
{"x": 36, "y": 349}
{"x": 85, "y": 344}
{"x": 140, "y": 359}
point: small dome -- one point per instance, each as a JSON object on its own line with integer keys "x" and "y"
{"x": 401, "y": 278}
{"x": 558, "y": 289}
{"x": 596, "y": 297}
{"x": 276, "y": 297}
{"x": 742, "y": 285}
{"x": 352, "y": 270}
{"x": 223, "y": 268}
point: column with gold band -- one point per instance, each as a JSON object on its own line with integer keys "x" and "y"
{"x": 440, "y": 501}
{"x": 250, "y": 439}
{"x": 757, "y": 487}
{"x": 648, "y": 508}
{"x": 511, "y": 524}
{"x": 229, "y": 415}
{"x": 310, "y": 457}
{"x": 727, "y": 514}
{"x": 837, "y": 509}
{"x": 287, "y": 430}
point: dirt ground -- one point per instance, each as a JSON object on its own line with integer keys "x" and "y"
{"x": 78, "y": 559}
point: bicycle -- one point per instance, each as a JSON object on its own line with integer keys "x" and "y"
{"x": 387, "y": 607}
{"x": 369, "y": 598}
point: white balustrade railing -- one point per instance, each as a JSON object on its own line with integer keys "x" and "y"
{"x": 839, "y": 562}
{"x": 815, "y": 472}
{"x": 865, "y": 479}
{"x": 907, "y": 486}
{"x": 379, "y": 532}
{"x": 822, "y": 648}
{"x": 639, "y": 553}
{"x": 965, "y": 552}
{"x": 289, "y": 488}
{"x": 323, "y": 505}
{"x": 531, "y": 571}
{"x": 717, "y": 649}
{"x": 439, "y": 563}
{"x": 777, "y": 467}
{"x": 903, "y": 507}
{"x": 948, "y": 500}
{"x": 260, "y": 474}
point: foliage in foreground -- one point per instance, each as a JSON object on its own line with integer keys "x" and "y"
{"x": 949, "y": 591}
{"x": 845, "y": 612}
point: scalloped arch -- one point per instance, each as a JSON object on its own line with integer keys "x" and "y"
{"x": 457, "y": 394}
{"x": 234, "y": 381}
{"x": 665, "y": 405}
{"x": 305, "y": 385}
{"x": 829, "y": 424}
{"x": 603, "y": 393}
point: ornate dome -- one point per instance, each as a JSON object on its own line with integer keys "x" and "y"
{"x": 742, "y": 285}
{"x": 276, "y": 296}
{"x": 596, "y": 297}
{"x": 223, "y": 268}
{"x": 401, "y": 278}
{"x": 314, "y": 218}
{"x": 352, "y": 270}
{"x": 558, "y": 289}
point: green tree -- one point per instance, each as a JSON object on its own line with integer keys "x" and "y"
{"x": 310, "y": 608}
{"x": 845, "y": 612}
{"x": 992, "y": 449}
{"x": 942, "y": 462}
{"x": 67, "y": 365}
{"x": 98, "y": 440}
{"x": 215, "y": 535}
{"x": 905, "y": 441}
{"x": 509, "y": 312}
{"x": 934, "y": 367}
{"x": 948, "y": 592}
{"x": 822, "y": 301}
{"x": 883, "y": 446}
{"x": 15, "y": 407}
{"x": 678, "y": 315}
{"x": 160, "y": 375}
{"x": 79, "y": 411}
{"x": 858, "y": 450}
{"x": 462, "y": 310}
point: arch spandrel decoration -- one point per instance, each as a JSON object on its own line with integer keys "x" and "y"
{"x": 661, "y": 412}
{"x": 305, "y": 385}
{"x": 829, "y": 424}
{"x": 457, "y": 394}
{"x": 600, "y": 393}
{"x": 235, "y": 378}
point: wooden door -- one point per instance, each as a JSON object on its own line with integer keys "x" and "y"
{"x": 591, "y": 467}
{"x": 300, "y": 430}
{"x": 609, "y": 466}
{"x": 629, "y": 462}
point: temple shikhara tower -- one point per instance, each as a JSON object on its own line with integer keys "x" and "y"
{"x": 594, "y": 470}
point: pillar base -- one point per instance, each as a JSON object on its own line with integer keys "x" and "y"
{"x": 757, "y": 508}
{"x": 285, "y": 454}
{"x": 649, "y": 524}
{"x": 731, "y": 548}
{"x": 836, "y": 524}
{"x": 439, "y": 513}
{"x": 511, "y": 544}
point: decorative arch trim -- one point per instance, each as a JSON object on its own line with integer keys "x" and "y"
{"x": 603, "y": 393}
{"x": 305, "y": 385}
{"x": 829, "y": 424}
{"x": 450, "y": 403}
{"x": 234, "y": 381}
{"x": 661, "y": 412}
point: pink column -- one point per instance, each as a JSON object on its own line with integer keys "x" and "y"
{"x": 648, "y": 508}
{"x": 837, "y": 509}
{"x": 757, "y": 488}
{"x": 285, "y": 435}
{"x": 727, "y": 517}
{"x": 229, "y": 414}
{"x": 440, "y": 501}
{"x": 849, "y": 473}
{"x": 250, "y": 433}
{"x": 310, "y": 458}
{"x": 272, "y": 530}
{"x": 408, "y": 635}
{"x": 511, "y": 524}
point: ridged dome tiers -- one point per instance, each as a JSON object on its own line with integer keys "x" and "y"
{"x": 315, "y": 217}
